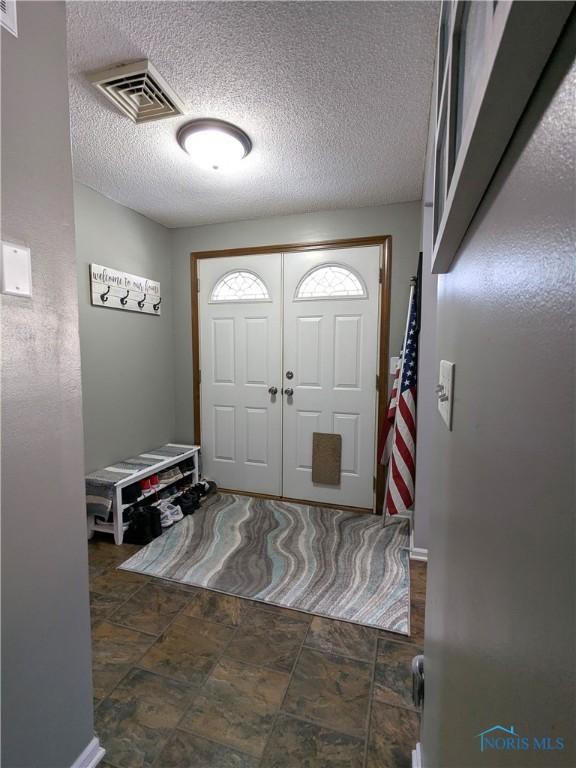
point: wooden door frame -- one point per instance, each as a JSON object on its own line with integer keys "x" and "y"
{"x": 385, "y": 241}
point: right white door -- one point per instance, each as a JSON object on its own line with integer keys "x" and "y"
{"x": 331, "y": 321}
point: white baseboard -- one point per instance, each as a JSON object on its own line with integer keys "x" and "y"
{"x": 417, "y": 553}
{"x": 90, "y": 756}
{"x": 417, "y": 757}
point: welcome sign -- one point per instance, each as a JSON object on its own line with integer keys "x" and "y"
{"x": 120, "y": 290}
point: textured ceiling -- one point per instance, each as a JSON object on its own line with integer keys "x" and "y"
{"x": 335, "y": 96}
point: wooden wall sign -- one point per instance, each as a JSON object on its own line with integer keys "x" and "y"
{"x": 119, "y": 290}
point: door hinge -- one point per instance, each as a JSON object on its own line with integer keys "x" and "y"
{"x": 199, "y": 376}
{"x": 377, "y": 383}
{"x": 373, "y": 483}
{"x": 198, "y": 284}
{"x": 380, "y": 275}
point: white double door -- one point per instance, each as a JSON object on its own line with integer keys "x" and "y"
{"x": 288, "y": 347}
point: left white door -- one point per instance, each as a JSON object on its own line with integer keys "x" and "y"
{"x": 240, "y": 314}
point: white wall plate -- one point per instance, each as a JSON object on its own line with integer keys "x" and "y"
{"x": 446, "y": 391}
{"x": 16, "y": 270}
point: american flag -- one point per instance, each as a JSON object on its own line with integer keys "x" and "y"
{"x": 398, "y": 438}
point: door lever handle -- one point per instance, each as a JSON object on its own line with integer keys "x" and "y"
{"x": 273, "y": 390}
{"x": 289, "y": 392}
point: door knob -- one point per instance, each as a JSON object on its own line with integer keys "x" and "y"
{"x": 273, "y": 390}
{"x": 289, "y": 392}
{"x": 289, "y": 375}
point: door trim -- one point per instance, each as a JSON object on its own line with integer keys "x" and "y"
{"x": 385, "y": 241}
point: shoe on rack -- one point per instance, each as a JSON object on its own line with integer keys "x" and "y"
{"x": 131, "y": 494}
{"x": 145, "y": 485}
{"x": 188, "y": 502}
{"x": 188, "y": 508}
{"x": 155, "y": 516}
{"x": 172, "y": 509}
{"x": 165, "y": 516}
{"x": 170, "y": 475}
{"x": 189, "y": 481}
{"x": 154, "y": 481}
{"x": 205, "y": 487}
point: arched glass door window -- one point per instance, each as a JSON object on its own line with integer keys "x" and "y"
{"x": 240, "y": 285}
{"x": 331, "y": 281}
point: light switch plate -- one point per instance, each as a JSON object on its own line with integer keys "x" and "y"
{"x": 393, "y": 365}
{"x": 446, "y": 391}
{"x": 16, "y": 270}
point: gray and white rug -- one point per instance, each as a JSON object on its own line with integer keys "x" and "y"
{"x": 342, "y": 565}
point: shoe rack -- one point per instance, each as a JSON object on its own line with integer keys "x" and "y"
{"x": 117, "y": 526}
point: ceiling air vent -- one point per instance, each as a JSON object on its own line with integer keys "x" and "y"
{"x": 138, "y": 90}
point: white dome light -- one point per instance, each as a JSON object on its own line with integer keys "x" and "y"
{"x": 214, "y": 143}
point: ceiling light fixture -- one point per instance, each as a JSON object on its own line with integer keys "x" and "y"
{"x": 214, "y": 143}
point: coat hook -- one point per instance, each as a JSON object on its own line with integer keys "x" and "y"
{"x": 142, "y": 302}
{"x": 124, "y": 299}
{"x": 104, "y": 296}
{"x": 157, "y": 305}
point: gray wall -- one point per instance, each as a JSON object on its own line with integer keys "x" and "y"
{"x": 46, "y": 678}
{"x": 402, "y": 221}
{"x": 127, "y": 358}
{"x": 500, "y": 602}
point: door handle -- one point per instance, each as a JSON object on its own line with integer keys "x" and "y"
{"x": 273, "y": 390}
{"x": 289, "y": 374}
{"x": 289, "y": 392}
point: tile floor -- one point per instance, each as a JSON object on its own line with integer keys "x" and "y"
{"x": 188, "y": 678}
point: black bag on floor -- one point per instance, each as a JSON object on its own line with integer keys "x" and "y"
{"x": 144, "y": 525}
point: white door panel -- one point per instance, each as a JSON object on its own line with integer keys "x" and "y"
{"x": 255, "y": 442}
{"x": 240, "y": 358}
{"x": 330, "y": 345}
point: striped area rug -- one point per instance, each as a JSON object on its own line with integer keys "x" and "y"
{"x": 342, "y": 565}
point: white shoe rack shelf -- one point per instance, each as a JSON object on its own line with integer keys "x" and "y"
{"x": 117, "y": 526}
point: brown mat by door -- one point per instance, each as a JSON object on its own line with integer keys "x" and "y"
{"x": 326, "y": 458}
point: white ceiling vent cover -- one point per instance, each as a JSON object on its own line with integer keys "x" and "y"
{"x": 139, "y": 91}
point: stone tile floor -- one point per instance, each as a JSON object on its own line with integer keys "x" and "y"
{"x": 188, "y": 678}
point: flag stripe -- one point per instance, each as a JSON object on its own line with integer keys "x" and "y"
{"x": 403, "y": 451}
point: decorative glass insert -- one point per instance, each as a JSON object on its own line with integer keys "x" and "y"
{"x": 331, "y": 281}
{"x": 240, "y": 286}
